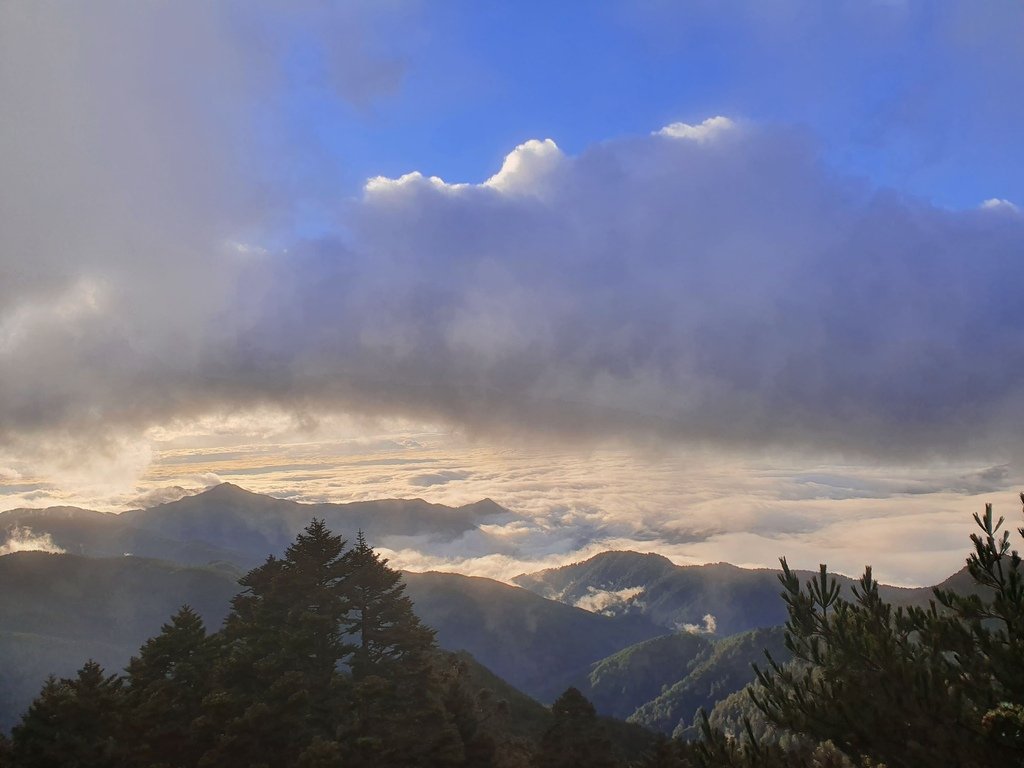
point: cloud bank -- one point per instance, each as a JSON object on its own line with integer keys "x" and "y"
{"x": 709, "y": 283}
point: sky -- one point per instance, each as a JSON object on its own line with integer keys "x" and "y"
{"x": 725, "y": 280}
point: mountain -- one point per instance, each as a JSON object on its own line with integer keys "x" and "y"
{"x": 677, "y": 596}
{"x": 669, "y": 595}
{"x": 98, "y": 534}
{"x": 624, "y": 681}
{"x": 720, "y": 671}
{"x": 231, "y": 524}
{"x": 517, "y": 717}
{"x": 625, "y": 652}
{"x": 540, "y": 646}
{"x": 57, "y": 611}
{"x": 605, "y": 572}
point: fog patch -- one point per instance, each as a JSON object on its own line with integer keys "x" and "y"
{"x": 24, "y": 540}
{"x": 708, "y": 626}
{"x": 607, "y": 601}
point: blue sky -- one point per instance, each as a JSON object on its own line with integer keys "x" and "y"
{"x": 919, "y": 97}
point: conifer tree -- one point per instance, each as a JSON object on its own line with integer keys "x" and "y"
{"x": 73, "y": 722}
{"x": 908, "y": 687}
{"x": 574, "y": 738}
{"x": 388, "y": 636}
{"x": 166, "y": 684}
{"x": 283, "y": 643}
{"x": 401, "y": 717}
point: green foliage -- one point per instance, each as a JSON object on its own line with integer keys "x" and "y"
{"x": 277, "y": 677}
{"x": 400, "y": 717}
{"x": 575, "y": 737}
{"x": 907, "y": 687}
{"x": 620, "y": 683}
{"x": 74, "y": 721}
{"x": 387, "y": 632}
{"x": 57, "y": 611}
{"x": 723, "y": 668}
{"x": 321, "y": 662}
{"x": 165, "y": 687}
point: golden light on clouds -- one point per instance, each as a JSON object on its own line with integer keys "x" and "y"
{"x": 564, "y": 503}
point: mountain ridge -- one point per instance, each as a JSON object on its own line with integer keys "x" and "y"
{"x": 228, "y": 522}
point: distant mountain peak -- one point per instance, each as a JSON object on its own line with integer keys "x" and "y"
{"x": 224, "y": 492}
{"x": 225, "y": 489}
{"x": 486, "y": 507}
{"x": 630, "y": 554}
{"x": 621, "y": 558}
{"x": 65, "y": 512}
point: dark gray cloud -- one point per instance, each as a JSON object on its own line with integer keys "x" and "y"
{"x": 705, "y": 284}
{"x": 141, "y": 143}
{"x": 716, "y": 285}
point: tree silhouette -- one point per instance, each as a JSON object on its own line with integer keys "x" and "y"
{"x": 941, "y": 685}
{"x": 73, "y": 722}
{"x": 165, "y": 687}
{"x": 401, "y": 719}
{"x": 574, "y": 738}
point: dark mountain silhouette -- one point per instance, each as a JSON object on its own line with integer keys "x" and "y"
{"x": 620, "y": 683}
{"x": 57, "y": 611}
{"x": 725, "y": 667}
{"x": 540, "y": 646}
{"x": 229, "y": 523}
{"x": 673, "y": 596}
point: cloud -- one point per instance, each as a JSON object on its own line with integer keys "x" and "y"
{"x": 708, "y": 626}
{"x": 999, "y": 204}
{"x": 526, "y": 167}
{"x": 607, "y": 601}
{"x": 24, "y": 540}
{"x": 135, "y": 176}
{"x": 700, "y": 133}
{"x": 709, "y": 283}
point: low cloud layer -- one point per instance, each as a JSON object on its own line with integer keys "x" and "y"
{"x": 911, "y": 523}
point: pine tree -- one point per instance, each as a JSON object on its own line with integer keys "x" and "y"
{"x": 908, "y": 687}
{"x": 73, "y": 722}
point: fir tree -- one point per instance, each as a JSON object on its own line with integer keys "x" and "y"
{"x": 401, "y": 717}
{"x": 73, "y": 722}
{"x": 574, "y": 739}
{"x": 166, "y": 684}
{"x": 283, "y": 643}
{"x": 388, "y": 636}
